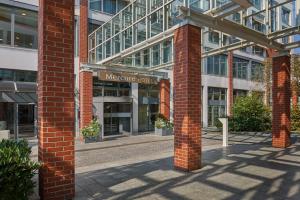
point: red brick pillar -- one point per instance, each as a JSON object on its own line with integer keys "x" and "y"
{"x": 164, "y": 98}
{"x": 85, "y": 76}
{"x": 86, "y": 97}
{"x": 187, "y": 98}
{"x": 230, "y": 83}
{"x": 83, "y": 33}
{"x": 56, "y": 116}
{"x": 281, "y": 101}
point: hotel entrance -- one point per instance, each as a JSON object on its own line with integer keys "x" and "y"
{"x": 117, "y": 118}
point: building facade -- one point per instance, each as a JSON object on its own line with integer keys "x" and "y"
{"x": 124, "y": 107}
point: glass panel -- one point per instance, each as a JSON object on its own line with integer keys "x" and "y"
{"x": 110, "y": 6}
{"x": 156, "y": 55}
{"x": 6, "y": 75}
{"x": 25, "y": 28}
{"x": 96, "y": 5}
{"x": 5, "y": 25}
{"x": 26, "y": 76}
{"x": 156, "y": 23}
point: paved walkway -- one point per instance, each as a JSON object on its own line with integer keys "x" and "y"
{"x": 141, "y": 167}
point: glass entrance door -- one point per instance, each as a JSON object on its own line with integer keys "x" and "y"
{"x": 116, "y": 118}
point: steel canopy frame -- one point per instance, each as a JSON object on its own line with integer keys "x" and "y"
{"x": 214, "y": 19}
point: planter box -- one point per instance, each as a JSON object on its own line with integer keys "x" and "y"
{"x": 4, "y": 134}
{"x": 163, "y": 131}
{"x": 92, "y": 139}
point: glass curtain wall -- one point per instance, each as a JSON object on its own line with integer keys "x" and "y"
{"x": 18, "y": 27}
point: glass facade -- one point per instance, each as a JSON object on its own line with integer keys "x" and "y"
{"x": 142, "y": 20}
{"x": 18, "y": 27}
{"x": 18, "y": 75}
{"x": 107, "y": 6}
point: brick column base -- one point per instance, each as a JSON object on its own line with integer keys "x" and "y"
{"x": 281, "y": 102}
{"x": 164, "y": 98}
{"x": 86, "y": 97}
{"x": 187, "y": 98}
{"x": 56, "y": 102}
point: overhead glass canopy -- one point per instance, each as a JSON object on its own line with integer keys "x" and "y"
{"x": 141, "y": 35}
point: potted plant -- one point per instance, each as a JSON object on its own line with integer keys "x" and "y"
{"x": 91, "y": 133}
{"x": 163, "y": 126}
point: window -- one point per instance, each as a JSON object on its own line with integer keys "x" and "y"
{"x": 239, "y": 93}
{"x": 217, "y": 65}
{"x": 213, "y": 37}
{"x": 240, "y": 68}
{"x": 25, "y": 28}
{"x": 107, "y": 6}
{"x": 285, "y": 15}
{"x": 236, "y": 17}
{"x": 216, "y": 104}
{"x": 258, "y": 26}
{"x": 258, "y": 51}
{"x": 5, "y": 28}
{"x": 110, "y": 6}
{"x": 96, "y": 5}
{"x": 156, "y": 55}
{"x": 18, "y": 75}
{"x": 257, "y": 71}
{"x": 257, "y": 4}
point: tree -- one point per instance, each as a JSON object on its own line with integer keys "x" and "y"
{"x": 250, "y": 114}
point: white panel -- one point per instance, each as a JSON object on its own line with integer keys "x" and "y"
{"x": 135, "y": 107}
{"x": 18, "y": 58}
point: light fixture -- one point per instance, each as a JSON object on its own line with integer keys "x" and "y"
{"x": 24, "y": 14}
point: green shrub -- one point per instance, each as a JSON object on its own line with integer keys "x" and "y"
{"x": 16, "y": 170}
{"x": 92, "y": 130}
{"x": 163, "y": 122}
{"x": 295, "y": 118}
{"x": 250, "y": 114}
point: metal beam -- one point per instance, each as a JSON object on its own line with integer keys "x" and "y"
{"x": 292, "y": 45}
{"x": 243, "y": 3}
{"x": 231, "y": 47}
{"x": 228, "y": 27}
{"x": 284, "y": 33}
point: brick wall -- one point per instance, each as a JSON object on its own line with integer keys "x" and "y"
{"x": 164, "y": 98}
{"x": 56, "y": 99}
{"x": 281, "y": 101}
{"x": 86, "y": 97}
{"x": 230, "y": 82}
{"x": 187, "y": 98}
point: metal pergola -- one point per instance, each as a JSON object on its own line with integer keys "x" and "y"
{"x": 136, "y": 37}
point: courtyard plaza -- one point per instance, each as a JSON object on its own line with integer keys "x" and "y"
{"x": 141, "y": 167}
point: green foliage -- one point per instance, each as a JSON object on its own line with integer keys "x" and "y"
{"x": 250, "y": 114}
{"x": 16, "y": 170}
{"x": 92, "y": 130}
{"x": 295, "y": 118}
{"x": 163, "y": 122}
